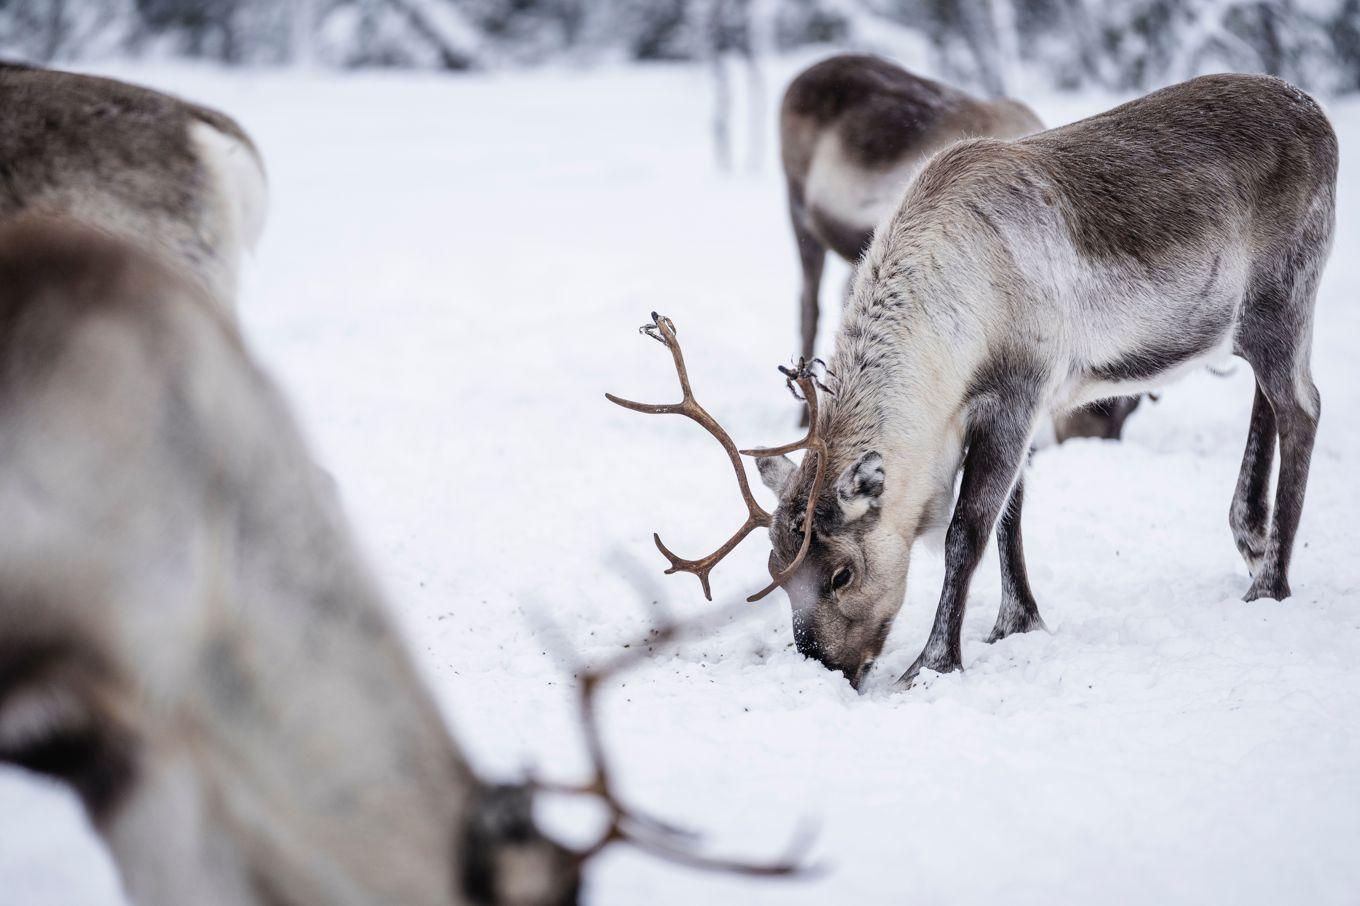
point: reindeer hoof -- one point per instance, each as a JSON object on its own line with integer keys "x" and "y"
{"x": 1009, "y": 622}
{"x": 940, "y": 664}
{"x": 1264, "y": 586}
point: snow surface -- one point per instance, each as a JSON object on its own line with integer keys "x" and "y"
{"x": 452, "y": 276}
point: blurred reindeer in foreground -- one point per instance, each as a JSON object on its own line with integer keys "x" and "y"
{"x": 190, "y": 640}
{"x": 182, "y": 181}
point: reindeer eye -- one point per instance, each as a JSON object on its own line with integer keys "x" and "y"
{"x": 842, "y": 578}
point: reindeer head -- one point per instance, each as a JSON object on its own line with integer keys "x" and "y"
{"x": 845, "y": 574}
{"x": 849, "y": 584}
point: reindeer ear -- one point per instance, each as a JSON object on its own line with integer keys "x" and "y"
{"x": 860, "y": 486}
{"x": 776, "y": 471}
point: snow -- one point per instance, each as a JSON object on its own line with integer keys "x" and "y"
{"x": 451, "y": 277}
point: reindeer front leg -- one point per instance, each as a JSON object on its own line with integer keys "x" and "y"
{"x": 998, "y": 438}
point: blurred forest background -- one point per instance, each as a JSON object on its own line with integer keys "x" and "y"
{"x": 1118, "y": 45}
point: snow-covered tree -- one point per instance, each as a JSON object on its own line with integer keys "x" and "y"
{"x": 1130, "y": 45}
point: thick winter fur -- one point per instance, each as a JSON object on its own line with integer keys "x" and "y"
{"x": 188, "y": 636}
{"x": 1022, "y": 277}
{"x": 854, "y": 130}
{"x": 182, "y": 180}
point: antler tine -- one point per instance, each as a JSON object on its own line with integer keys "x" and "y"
{"x": 662, "y": 329}
{"x": 804, "y": 376}
{"x": 787, "y": 865}
{"x": 634, "y": 828}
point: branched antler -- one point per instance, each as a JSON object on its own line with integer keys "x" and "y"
{"x": 634, "y": 828}
{"x": 663, "y": 331}
{"x": 804, "y": 378}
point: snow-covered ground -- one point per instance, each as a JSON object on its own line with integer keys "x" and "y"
{"x": 452, "y": 276}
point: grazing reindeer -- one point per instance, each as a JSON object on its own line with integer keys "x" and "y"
{"x": 183, "y": 180}
{"x": 188, "y": 637}
{"x": 854, "y": 130}
{"x": 1018, "y": 278}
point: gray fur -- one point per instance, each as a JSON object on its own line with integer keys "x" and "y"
{"x": 133, "y": 162}
{"x": 188, "y": 635}
{"x": 1024, "y": 277}
{"x": 870, "y": 125}
{"x": 875, "y": 124}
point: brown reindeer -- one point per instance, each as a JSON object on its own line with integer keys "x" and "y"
{"x": 854, "y": 130}
{"x": 182, "y": 181}
{"x": 1019, "y": 278}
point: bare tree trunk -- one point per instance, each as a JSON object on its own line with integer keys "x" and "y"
{"x": 54, "y": 30}
{"x": 722, "y": 113}
{"x": 711, "y": 28}
{"x": 1005, "y": 20}
{"x": 978, "y": 28}
{"x": 449, "y": 57}
{"x": 760, "y": 21}
{"x": 1084, "y": 29}
{"x": 302, "y": 24}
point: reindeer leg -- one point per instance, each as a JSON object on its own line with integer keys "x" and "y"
{"x": 1283, "y": 377}
{"x": 812, "y": 257}
{"x": 1019, "y": 611}
{"x": 1250, "y": 512}
{"x": 1297, "y": 405}
{"x": 998, "y": 439}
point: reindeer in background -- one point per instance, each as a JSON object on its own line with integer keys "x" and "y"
{"x": 854, "y": 130}
{"x": 181, "y": 180}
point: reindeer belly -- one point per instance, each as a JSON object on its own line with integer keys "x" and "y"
{"x": 847, "y": 201}
{"x": 1137, "y": 341}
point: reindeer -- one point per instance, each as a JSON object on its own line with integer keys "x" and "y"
{"x": 190, "y": 640}
{"x": 183, "y": 180}
{"x": 1035, "y": 275}
{"x": 854, "y": 130}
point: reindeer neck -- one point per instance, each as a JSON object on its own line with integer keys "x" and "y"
{"x": 899, "y": 374}
{"x": 903, "y": 359}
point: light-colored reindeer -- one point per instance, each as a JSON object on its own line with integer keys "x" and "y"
{"x": 183, "y": 181}
{"x": 1023, "y": 277}
{"x": 189, "y": 637}
{"x": 854, "y": 130}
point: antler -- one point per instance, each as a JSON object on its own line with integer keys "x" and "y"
{"x": 629, "y": 826}
{"x": 804, "y": 378}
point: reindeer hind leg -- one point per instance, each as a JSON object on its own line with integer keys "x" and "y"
{"x": 1275, "y": 338}
{"x": 1019, "y": 611}
{"x": 812, "y": 258}
{"x": 1249, "y": 516}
